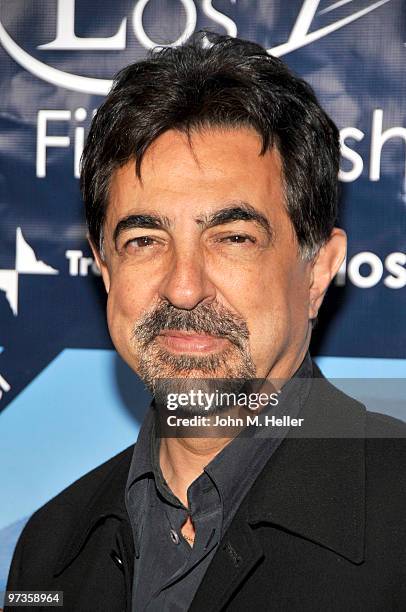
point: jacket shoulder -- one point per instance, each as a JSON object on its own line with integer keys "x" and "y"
{"x": 45, "y": 533}
{"x": 82, "y": 489}
{"x": 375, "y": 425}
{"x": 384, "y": 426}
{"x": 386, "y": 454}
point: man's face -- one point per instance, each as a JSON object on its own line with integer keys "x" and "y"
{"x": 201, "y": 266}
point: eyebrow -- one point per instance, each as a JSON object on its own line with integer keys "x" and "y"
{"x": 236, "y": 211}
{"x": 154, "y": 221}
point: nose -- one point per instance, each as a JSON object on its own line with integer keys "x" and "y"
{"x": 186, "y": 284}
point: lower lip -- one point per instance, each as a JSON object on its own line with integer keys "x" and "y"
{"x": 192, "y": 344}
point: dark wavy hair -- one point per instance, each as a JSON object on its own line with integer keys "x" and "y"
{"x": 218, "y": 81}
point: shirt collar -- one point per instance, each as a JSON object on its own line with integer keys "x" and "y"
{"x": 141, "y": 462}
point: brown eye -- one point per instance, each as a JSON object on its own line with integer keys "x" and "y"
{"x": 239, "y": 239}
{"x": 141, "y": 241}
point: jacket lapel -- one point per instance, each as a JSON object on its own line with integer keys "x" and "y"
{"x": 107, "y": 502}
{"x": 238, "y": 553}
{"x": 313, "y": 487}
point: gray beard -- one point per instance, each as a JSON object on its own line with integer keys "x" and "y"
{"x": 164, "y": 372}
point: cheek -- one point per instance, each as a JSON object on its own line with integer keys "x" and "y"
{"x": 127, "y": 300}
{"x": 275, "y": 306}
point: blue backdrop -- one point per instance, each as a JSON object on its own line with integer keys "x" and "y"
{"x": 67, "y": 402}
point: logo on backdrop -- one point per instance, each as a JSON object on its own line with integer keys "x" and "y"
{"x": 26, "y": 262}
{"x": 65, "y": 39}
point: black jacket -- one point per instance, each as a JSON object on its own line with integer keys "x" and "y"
{"x": 322, "y": 529}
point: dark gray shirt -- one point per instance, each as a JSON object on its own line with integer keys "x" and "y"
{"x": 167, "y": 570}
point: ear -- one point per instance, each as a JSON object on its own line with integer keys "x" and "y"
{"x": 101, "y": 264}
{"x": 325, "y": 266}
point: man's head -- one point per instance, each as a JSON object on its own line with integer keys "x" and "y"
{"x": 210, "y": 183}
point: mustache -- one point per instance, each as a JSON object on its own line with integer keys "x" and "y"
{"x": 212, "y": 319}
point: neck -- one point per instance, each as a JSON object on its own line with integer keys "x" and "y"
{"x": 182, "y": 460}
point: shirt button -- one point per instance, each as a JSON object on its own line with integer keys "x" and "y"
{"x": 174, "y": 536}
{"x": 116, "y": 558}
